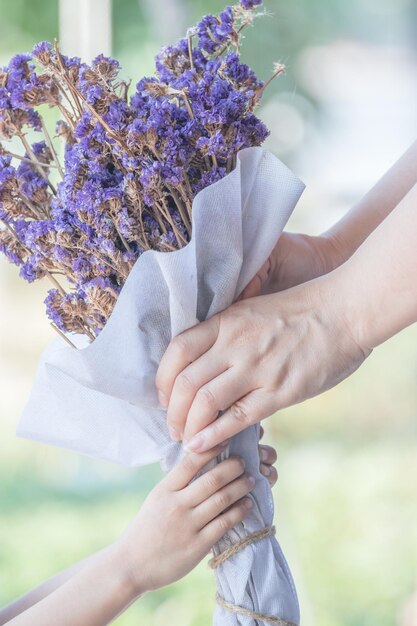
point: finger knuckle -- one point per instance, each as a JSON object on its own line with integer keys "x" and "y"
{"x": 206, "y": 396}
{"x": 185, "y": 383}
{"x": 240, "y": 413}
{"x": 213, "y": 481}
{"x": 189, "y": 464}
{"x": 224, "y": 523}
{"x": 180, "y": 344}
{"x": 222, "y": 500}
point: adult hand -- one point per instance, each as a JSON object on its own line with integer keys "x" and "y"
{"x": 295, "y": 259}
{"x": 256, "y": 357}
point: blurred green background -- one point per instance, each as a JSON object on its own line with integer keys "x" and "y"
{"x": 347, "y": 496}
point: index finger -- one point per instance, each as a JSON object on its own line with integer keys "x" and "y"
{"x": 183, "y": 473}
{"x": 183, "y": 350}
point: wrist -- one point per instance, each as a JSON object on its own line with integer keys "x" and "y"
{"x": 131, "y": 576}
{"x": 335, "y": 249}
{"x": 343, "y": 310}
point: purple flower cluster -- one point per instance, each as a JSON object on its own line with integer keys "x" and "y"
{"x": 131, "y": 167}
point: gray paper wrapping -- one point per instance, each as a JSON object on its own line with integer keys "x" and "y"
{"x": 101, "y": 399}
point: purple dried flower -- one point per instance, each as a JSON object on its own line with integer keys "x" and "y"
{"x": 42, "y": 51}
{"x": 250, "y": 4}
{"x": 213, "y": 32}
{"x": 52, "y": 302}
{"x": 118, "y": 115}
{"x": 32, "y": 269}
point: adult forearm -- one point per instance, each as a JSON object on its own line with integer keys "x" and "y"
{"x": 376, "y": 287}
{"x": 96, "y": 595}
{"x": 352, "y": 230}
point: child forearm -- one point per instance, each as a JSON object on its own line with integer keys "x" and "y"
{"x": 42, "y": 591}
{"x": 95, "y": 595}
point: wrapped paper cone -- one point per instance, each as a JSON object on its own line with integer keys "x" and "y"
{"x": 101, "y": 399}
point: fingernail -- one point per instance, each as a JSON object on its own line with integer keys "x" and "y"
{"x": 194, "y": 444}
{"x": 265, "y": 470}
{"x": 174, "y": 434}
{"x": 163, "y": 400}
{"x": 248, "y": 504}
{"x": 263, "y": 455}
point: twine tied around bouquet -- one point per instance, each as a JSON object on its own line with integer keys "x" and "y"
{"x": 269, "y": 531}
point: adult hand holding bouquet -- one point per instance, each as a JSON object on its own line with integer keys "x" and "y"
{"x": 162, "y": 212}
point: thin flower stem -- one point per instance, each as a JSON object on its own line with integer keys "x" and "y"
{"x": 102, "y": 259}
{"x": 160, "y": 222}
{"x": 32, "y": 155}
{"x": 187, "y": 104}
{"x": 189, "y": 191}
{"x": 52, "y": 149}
{"x": 66, "y": 114}
{"x": 64, "y": 93}
{"x": 246, "y": 23}
{"x": 88, "y": 332}
{"x": 63, "y": 336}
{"x": 124, "y": 241}
{"x": 144, "y": 242}
{"x": 55, "y": 282}
{"x": 26, "y": 160}
{"x": 13, "y": 232}
{"x": 187, "y": 202}
{"x": 169, "y": 247}
{"x": 279, "y": 69}
{"x": 36, "y": 213}
{"x": 179, "y": 205}
{"x": 166, "y": 214}
{"x": 179, "y": 236}
{"x": 63, "y": 71}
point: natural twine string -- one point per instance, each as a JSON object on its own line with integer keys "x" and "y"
{"x": 240, "y": 545}
{"x": 234, "y": 608}
{"x": 226, "y": 554}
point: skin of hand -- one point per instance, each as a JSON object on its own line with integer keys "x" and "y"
{"x": 180, "y": 521}
{"x": 296, "y": 259}
{"x": 259, "y": 355}
{"x": 176, "y": 527}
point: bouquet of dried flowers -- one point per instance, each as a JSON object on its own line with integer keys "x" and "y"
{"x": 147, "y": 214}
{"x": 131, "y": 165}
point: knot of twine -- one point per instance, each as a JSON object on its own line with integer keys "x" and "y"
{"x": 232, "y": 550}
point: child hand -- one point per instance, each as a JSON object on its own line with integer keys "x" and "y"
{"x": 180, "y": 522}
